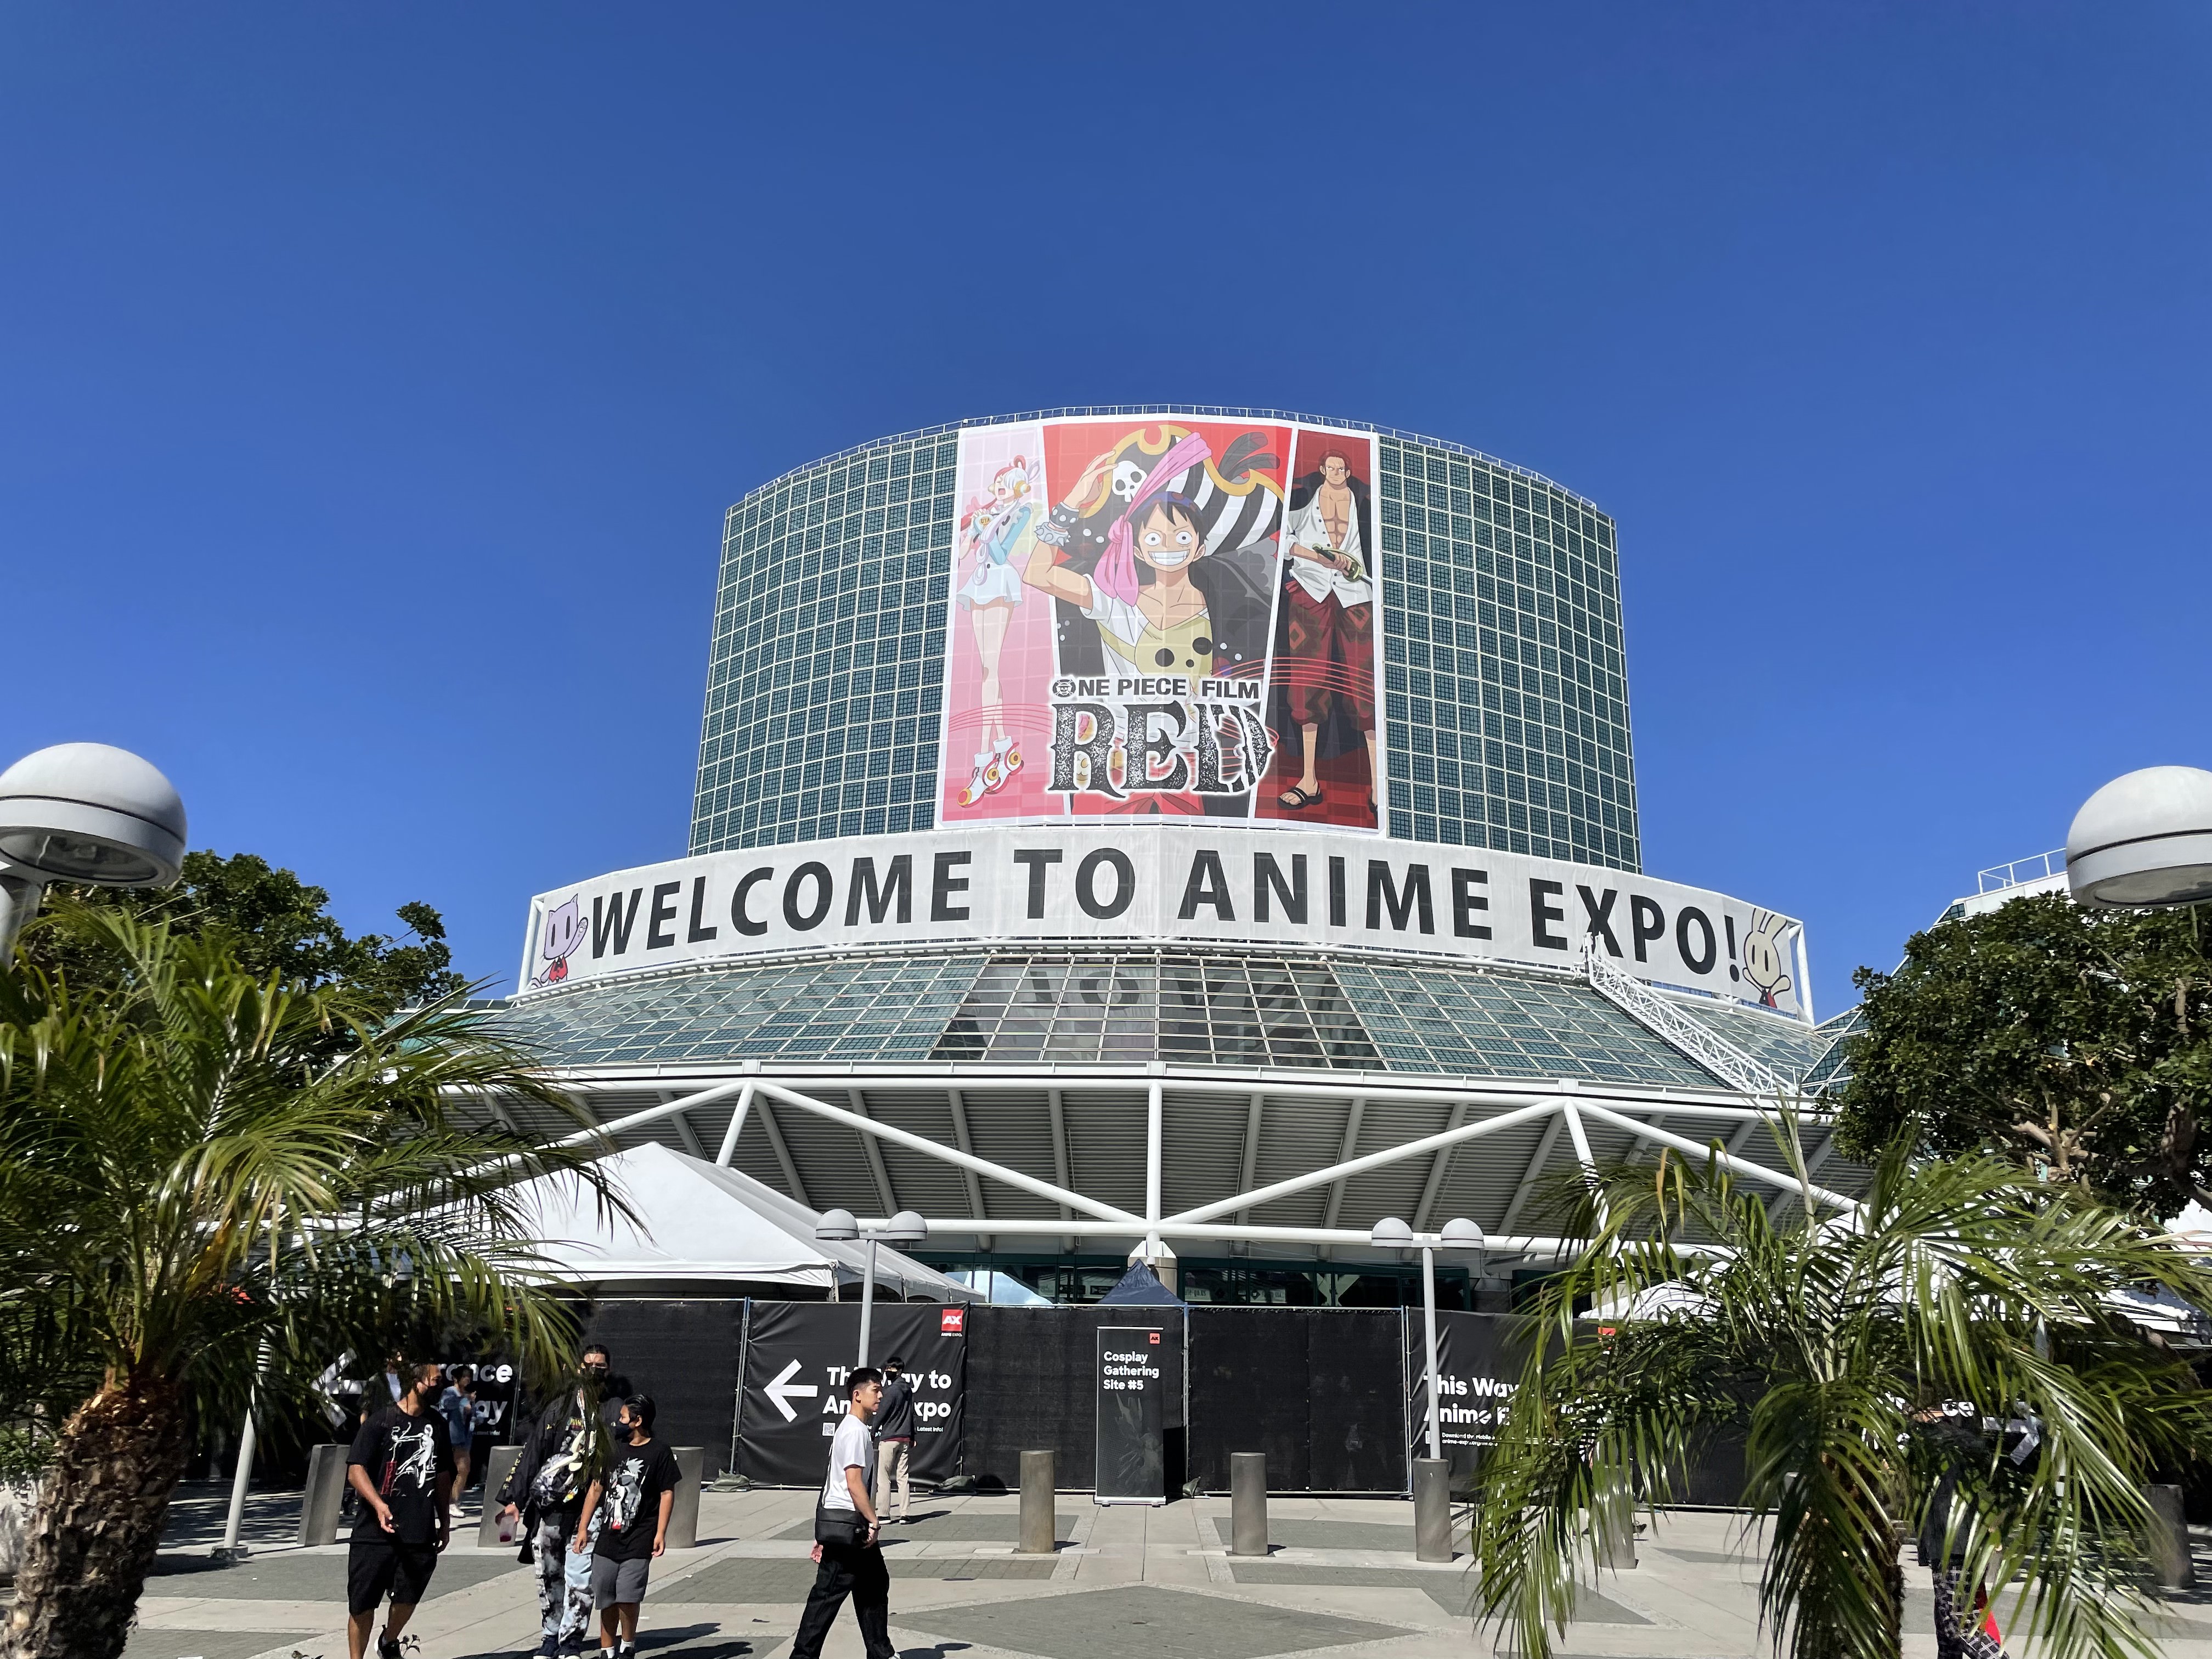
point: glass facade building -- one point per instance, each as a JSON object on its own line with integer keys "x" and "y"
{"x": 1504, "y": 692}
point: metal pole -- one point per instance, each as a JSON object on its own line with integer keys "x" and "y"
{"x": 19, "y": 903}
{"x": 1429, "y": 1319}
{"x": 867, "y": 1300}
{"x": 737, "y": 1127}
{"x": 1152, "y": 1172}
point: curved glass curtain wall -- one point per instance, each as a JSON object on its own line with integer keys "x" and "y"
{"x": 1505, "y": 695}
{"x": 1106, "y": 1007}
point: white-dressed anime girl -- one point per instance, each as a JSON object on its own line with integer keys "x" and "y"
{"x": 997, "y": 529}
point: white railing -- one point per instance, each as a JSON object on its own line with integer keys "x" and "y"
{"x": 2039, "y": 868}
{"x": 1692, "y": 1037}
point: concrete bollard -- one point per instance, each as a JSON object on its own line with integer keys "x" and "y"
{"x": 503, "y": 1459}
{"x": 1039, "y": 1522}
{"x": 1432, "y": 1509}
{"x": 1247, "y": 1502}
{"x": 325, "y": 1492}
{"x": 684, "y": 1513}
{"x": 2170, "y": 1565}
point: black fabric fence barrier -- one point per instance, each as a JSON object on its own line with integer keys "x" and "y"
{"x": 684, "y": 1354}
{"x": 1033, "y": 1386}
{"x": 1321, "y": 1390}
{"x": 1336, "y": 1398}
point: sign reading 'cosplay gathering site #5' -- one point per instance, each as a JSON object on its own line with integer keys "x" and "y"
{"x": 1163, "y": 618}
{"x": 1182, "y": 883}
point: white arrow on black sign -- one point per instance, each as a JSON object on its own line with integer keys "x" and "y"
{"x": 783, "y": 1386}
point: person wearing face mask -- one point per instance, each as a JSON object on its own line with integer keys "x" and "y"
{"x": 401, "y": 1467}
{"x": 627, "y": 1512}
{"x": 568, "y": 1449}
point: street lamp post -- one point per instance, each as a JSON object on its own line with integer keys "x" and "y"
{"x": 2144, "y": 841}
{"x": 842, "y": 1227}
{"x": 1459, "y": 1234}
{"x": 86, "y": 813}
{"x": 1432, "y": 1474}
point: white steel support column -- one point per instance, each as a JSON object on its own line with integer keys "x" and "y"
{"x": 654, "y": 1114}
{"x": 928, "y": 1148}
{"x": 1438, "y": 1165}
{"x": 1061, "y": 1166}
{"x": 967, "y": 1145}
{"x": 1255, "y": 1111}
{"x": 689, "y": 1136}
{"x": 784, "y": 1161}
{"x": 1346, "y": 1153}
{"x": 857, "y": 1104}
{"x": 1545, "y": 1142}
{"x": 1573, "y": 1114}
{"x": 1782, "y": 1178}
{"x": 1253, "y": 1201}
{"x": 1153, "y": 1113}
{"x": 737, "y": 1127}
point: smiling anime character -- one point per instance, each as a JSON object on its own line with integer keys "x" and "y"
{"x": 1764, "y": 953}
{"x": 557, "y": 941}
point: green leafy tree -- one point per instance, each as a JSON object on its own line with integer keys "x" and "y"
{"x": 275, "y": 923}
{"x": 200, "y": 1186}
{"x": 1830, "y": 1348}
{"x": 2077, "y": 1040}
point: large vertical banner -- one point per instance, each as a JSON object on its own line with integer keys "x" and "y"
{"x": 1327, "y": 634}
{"x": 1126, "y": 594}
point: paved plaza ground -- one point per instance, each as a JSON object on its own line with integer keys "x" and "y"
{"x": 1126, "y": 1584}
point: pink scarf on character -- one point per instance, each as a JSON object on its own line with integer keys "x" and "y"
{"x": 1116, "y": 574}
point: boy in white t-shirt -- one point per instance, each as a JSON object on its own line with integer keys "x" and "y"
{"x": 854, "y": 1570}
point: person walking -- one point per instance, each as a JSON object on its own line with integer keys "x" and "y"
{"x": 567, "y": 1450}
{"x": 401, "y": 1465}
{"x": 457, "y": 1406}
{"x": 632, "y": 1506}
{"x": 845, "y": 1536}
{"x": 894, "y": 1444}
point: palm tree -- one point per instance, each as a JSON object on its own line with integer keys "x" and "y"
{"x": 1832, "y": 1346}
{"x": 209, "y": 1178}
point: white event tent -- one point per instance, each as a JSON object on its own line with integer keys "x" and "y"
{"x": 700, "y": 1223}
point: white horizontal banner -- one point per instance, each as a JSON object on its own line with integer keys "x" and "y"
{"x": 1180, "y": 883}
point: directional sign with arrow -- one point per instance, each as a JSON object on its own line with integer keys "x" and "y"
{"x": 797, "y": 1363}
{"x": 782, "y": 1391}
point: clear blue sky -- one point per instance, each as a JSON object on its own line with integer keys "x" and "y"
{"x": 373, "y": 378}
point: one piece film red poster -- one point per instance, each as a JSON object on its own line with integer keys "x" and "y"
{"x": 1322, "y": 701}
{"x": 1127, "y": 594}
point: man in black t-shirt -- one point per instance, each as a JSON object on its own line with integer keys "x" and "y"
{"x": 632, "y": 1503}
{"x": 402, "y": 1467}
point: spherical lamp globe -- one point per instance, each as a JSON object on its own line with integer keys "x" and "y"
{"x": 90, "y": 813}
{"x": 2144, "y": 841}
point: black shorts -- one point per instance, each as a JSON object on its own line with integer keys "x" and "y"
{"x": 373, "y": 1569}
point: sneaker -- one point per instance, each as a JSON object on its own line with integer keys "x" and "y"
{"x": 548, "y": 1649}
{"x": 977, "y": 788}
{"x": 571, "y": 1644}
{"x": 995, "y": 773}
{"x": 387, "y": 1646}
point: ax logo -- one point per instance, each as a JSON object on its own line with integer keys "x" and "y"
{"x": 951, "y": 1321}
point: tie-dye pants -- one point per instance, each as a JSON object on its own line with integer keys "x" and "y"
{"x": 564, "y": 1579}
